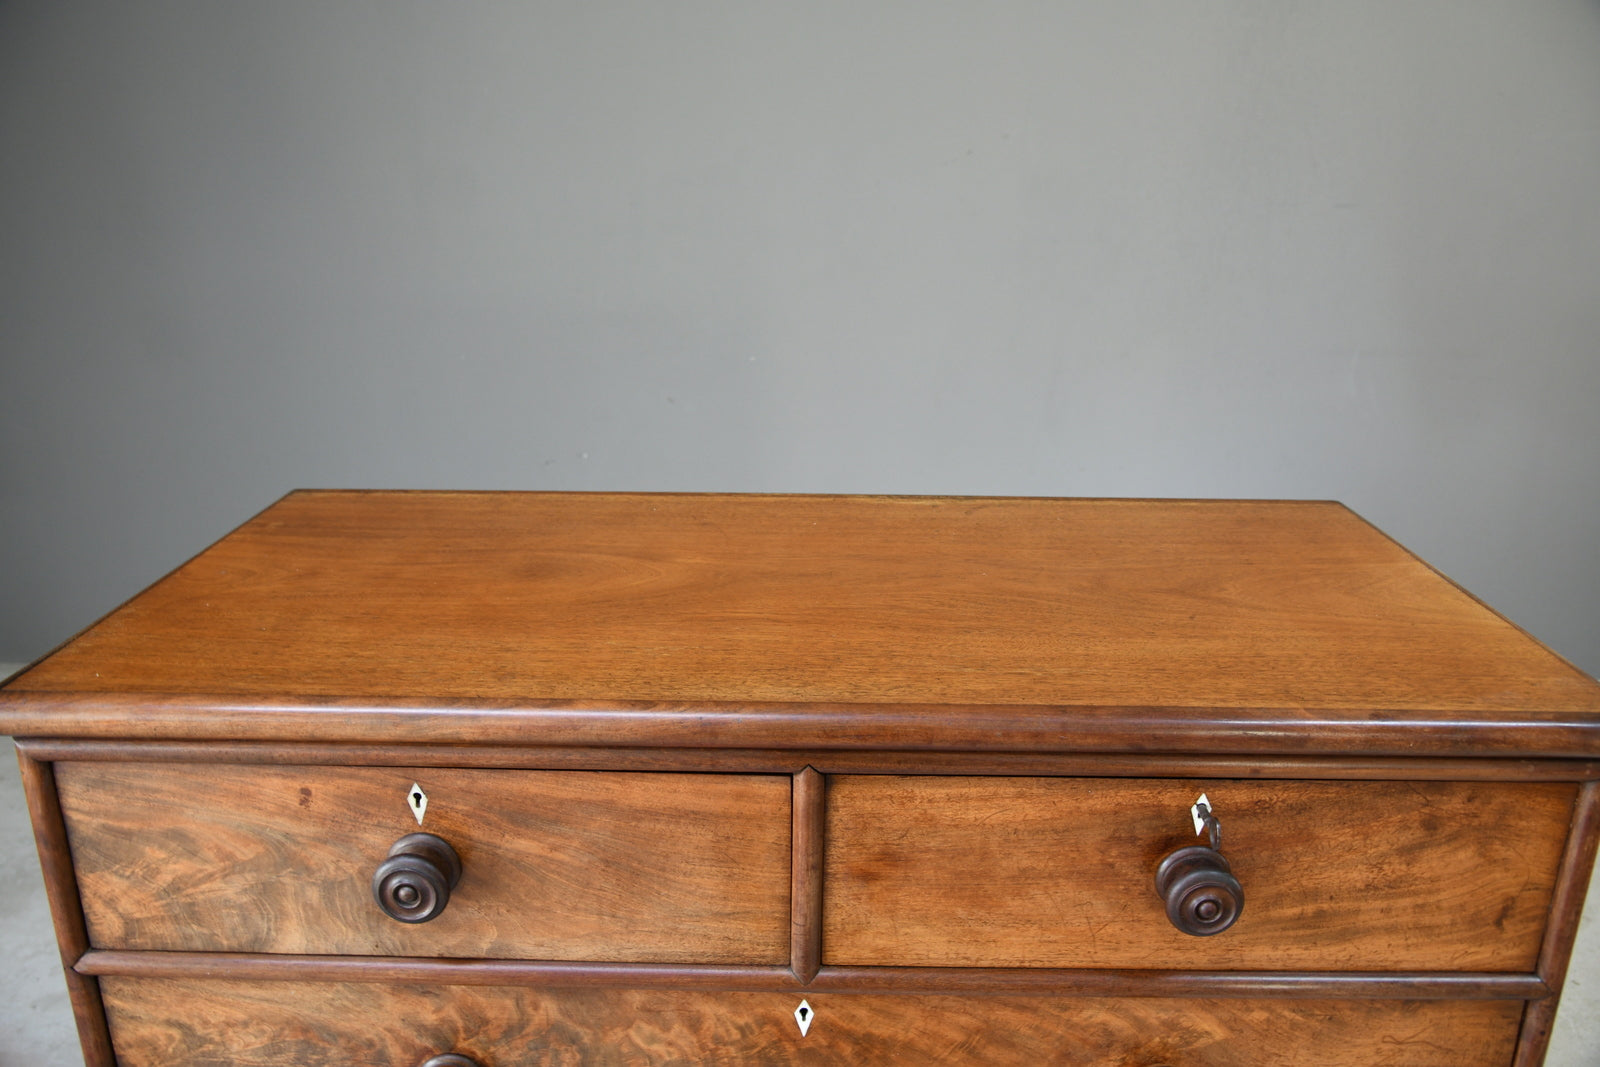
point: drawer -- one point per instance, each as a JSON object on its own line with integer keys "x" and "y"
{"x": 268, "y": 1024}
{"x": 566, "y": 865}
{"x": 1052, "y": 872}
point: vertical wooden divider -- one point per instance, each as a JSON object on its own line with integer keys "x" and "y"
{"x": 66, "y": 910}
{"x": 805, "y": 874}
{"x": 1566, "y": 908}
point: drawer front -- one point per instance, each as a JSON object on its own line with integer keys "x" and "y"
{"x": 1050, "y": 872}
{"x": 172, "y": 1023}
{"x": 555, "y": 865}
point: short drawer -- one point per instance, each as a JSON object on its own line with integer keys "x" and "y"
{"x": 164, "y": 1022}
{"x": 555, "y": 865}
{"x": 1052, "y": 872}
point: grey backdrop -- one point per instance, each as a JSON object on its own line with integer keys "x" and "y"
{"x": 1229, "y": 248}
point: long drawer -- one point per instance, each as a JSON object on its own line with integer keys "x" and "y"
{"x": 177, "y": 1023}
{"x": 684, "y": 868}
{"x": 1055, "y": 872}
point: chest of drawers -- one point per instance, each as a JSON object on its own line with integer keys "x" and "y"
{"x": 455, "y": 779}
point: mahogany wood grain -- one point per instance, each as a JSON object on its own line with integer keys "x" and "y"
{"x": 1392, "y": 985}
{"x": 66, "y": 910}
{"x": 777, "y": 761}
{"x": 469, "y": 599}
{"x": 241, "y": 1024}
{"x": 558, "y": 865}
{"x": 805, "y": 894}
{"x": 1532, "y": 734}
{"x": 1396, "y": 768}
{"x": 544, "y": 974}
{"x": 1577, "y": 866}
{"x": 1058, "y": 872}
{"x": 553, "y": 974}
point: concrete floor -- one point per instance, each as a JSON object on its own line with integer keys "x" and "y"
{"x": 36, "y": 1022}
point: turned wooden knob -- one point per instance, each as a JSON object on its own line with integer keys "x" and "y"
{"x": 1202, "y": 895}
{"x": 451, "y": 1059}
{"x": 413, "y": 884}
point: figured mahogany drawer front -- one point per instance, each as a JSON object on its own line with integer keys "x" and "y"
{"x": 555, "y": 865}
{"x": 268, "y": 1024}
{"x": 1053, "y": 872}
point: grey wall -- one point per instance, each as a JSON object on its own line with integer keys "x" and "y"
{"x": 1229, "y": 248}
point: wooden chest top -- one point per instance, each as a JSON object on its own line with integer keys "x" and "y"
{"x": 699, "y": 771}
{"x": 968, "y": 622}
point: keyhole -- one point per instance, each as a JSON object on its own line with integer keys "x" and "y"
{"x": 802, "y": 1017}
{"x": 416, "y": 798}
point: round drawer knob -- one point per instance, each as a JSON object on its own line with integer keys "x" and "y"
{"x": 451, "y": 1059}
{"x": 1202, "y": 895}
{"x": 413, "y": 885}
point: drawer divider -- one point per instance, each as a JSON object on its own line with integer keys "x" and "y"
{"x": 555, "y": 974}
{"x": 805, "y": 864}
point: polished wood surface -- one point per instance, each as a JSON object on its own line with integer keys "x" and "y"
{"x": 1364, "y": 985}
{"x": 669, "y": 737}
{"x": 1536, "y": 734}
{"x": 665, "y": 868}
{"x": 1059, "y": 872}
{"x": 779, "y": 761}
{"x": 1565, "y": 911}
{"x": 805, "y": 892}
{"x": 316, "y": 1025}
{"x": 785, "y": 599}
{"x": 66, "y": 911}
